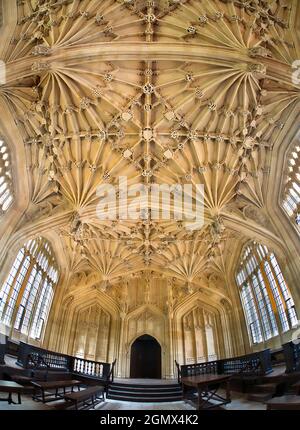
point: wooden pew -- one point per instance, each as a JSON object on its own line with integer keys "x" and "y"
{"x": 43, "y": 387}
{"x": 288, "y": 402}
{"x": 296, "y": 387}
{"x": 91, "y": 393}
{"x": 11, "y": 388}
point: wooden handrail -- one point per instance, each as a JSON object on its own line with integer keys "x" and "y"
{"x": 38, "y": 360}
{"x": 249, "y": 363}
{"x": 178, "y": 371}
{"x": 30, "y": 356}
{"x": 111, "y": 374}
{"x": 250, "y": 366}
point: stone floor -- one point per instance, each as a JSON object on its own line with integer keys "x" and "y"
{"x": 239, "y": 402}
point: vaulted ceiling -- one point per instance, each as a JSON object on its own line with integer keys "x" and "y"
{"x": 162, "y": 91}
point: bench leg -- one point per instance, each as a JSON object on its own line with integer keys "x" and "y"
{"x": 43, "y": 396}
{"x": 10, "y": 400}
{"x": 228, "y": 394}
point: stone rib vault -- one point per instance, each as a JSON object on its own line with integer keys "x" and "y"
{"x": 162, "y": 91}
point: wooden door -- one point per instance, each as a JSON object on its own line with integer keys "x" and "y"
{"x": 145, "y": 360}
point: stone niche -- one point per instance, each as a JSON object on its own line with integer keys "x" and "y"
{"x": 200, "y": 339}
{"x": 91, "y": 339}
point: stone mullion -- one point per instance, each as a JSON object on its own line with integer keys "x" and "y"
{"x": 21, "y": 292}
{"x": 184, "y": 340}
{"x": 256, "y": 301}
{"x": 280, "y": 292}
{"x": 249, "y": 284}
{"x": 271, "y": 296}
{"x": 87, "y": 331}
{"x": 194, "y": 340}
{"x": 264, "y": 300}
{"x": 33, "y": 262}
{"x": 254, "y": 250}
{"x": 204, "y": 339}
{"x": 25, "y": 281}
{"x": 216, "y": 336}
{"x": 27, "y": 300}
{"x": 36, "y": 302}
{"x": 26, "y": 254}
{"x": 170, "y": 372}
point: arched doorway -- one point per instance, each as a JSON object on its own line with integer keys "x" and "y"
{"x": 145, "y": 358}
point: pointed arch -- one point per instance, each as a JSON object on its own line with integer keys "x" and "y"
{"x": 268, "y": 305}
{"x": 26, "y": 294}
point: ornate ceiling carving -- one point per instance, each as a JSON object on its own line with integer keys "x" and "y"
{"x": 168, "y": 91}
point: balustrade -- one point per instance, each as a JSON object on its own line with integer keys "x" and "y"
{"x": 30, "y": 356}
{"x": 258, "y": 363}
{"x": 91, "y": 368}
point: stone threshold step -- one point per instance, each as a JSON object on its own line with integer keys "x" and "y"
{"x": 135, "y": 393}
{"x": 145, "y": 399}
{"x": 149, "y": 387}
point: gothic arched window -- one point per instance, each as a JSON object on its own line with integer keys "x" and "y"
{"x": 6, "y": 183}
{"x": 291, "y": 193}
{"x": 27, "y": 293}
{"x": 267, "y": 302}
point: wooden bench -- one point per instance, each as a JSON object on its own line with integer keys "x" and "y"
{"x": 91, "y": 393}
{"x": 296, "y": 387}
{"x": 11, "y": 388}
{"x": 288, "y": 402}
{"x": 43, "y": 387}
